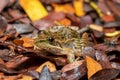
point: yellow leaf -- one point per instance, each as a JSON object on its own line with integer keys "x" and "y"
{"x": 25, "y": 77}
{"x": 96, "y": 27}
{"x": 92, "y": 66}
{"x": 78, "y": 5}
{"x": 112, "y": 34}
{"x": 50, "y": 65}
{"x": 34, "y": 9}
{"x": 97, "y": 9}
{"x": 66, "y": 8}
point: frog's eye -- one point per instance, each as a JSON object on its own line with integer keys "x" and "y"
{"x": 51, "y": 39}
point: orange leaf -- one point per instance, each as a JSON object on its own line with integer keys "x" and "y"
{"x": 66, "y": 8}
{"x": 18, "y": 42}
{"x": 28, "y": 42}
{"x": 50, "y": 65}
{"x": 92, "y": 66}
{"x": 78, "y": 5}
{"x": 108, "y": 18}
{"x": 65, "y": 22}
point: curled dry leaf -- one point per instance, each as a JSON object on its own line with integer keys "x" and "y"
{"x": 6, "y": 70}
{"x": 50, "y": 65}
{"x": 88, "y": 51}
{"x": 105, "y": 74}
{"x": 49, "y": 20}
{"x": 103, "y": 7}
{"x": 75, "y": 21}
{"x": 16, "y": 61}
{"x": 3, "y": 25}
{"x": 74, "y": 71}
{"x": 92, "y": 66}
{"x": 3, "y": 4}
{"x": 60, "y": 61}
{"x": 103, "y": 59}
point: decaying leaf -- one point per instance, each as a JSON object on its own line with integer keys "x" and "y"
{"x": 50, "y": 65}
{"x": 105, "y": 74}
{"x": 92, "y": 66}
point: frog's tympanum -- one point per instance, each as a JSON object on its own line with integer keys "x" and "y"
{"x": 61, "y": 40}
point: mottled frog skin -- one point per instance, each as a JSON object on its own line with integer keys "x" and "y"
{"x": 62, "y": 40}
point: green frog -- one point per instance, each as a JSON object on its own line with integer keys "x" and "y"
{"x": 62, "y": 40}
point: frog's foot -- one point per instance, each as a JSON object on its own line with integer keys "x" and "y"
{"x": 77, "y": 58}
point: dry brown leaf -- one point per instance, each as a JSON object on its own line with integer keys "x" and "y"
{"x": 14, "y": 77}
{"x": 50, "y": 65}
{"x": 28, "y": 42}
{"x": 66, "y": 8}
{"x": 71, "y": 66}
{"x": 92, "y": 66}
{"x": 1, "y": 61}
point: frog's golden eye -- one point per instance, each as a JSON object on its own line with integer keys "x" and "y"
{"x": 51, "y": 39}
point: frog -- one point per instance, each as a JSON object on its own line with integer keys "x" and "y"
{"x": 62, "y": 40}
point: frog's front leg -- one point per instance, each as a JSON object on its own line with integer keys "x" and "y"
{"x": 70, "y": 55}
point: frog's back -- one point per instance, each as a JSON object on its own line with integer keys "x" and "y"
{"x": 60, "y": 32}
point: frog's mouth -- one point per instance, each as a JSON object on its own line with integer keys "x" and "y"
{"x": 49, "y": 48}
